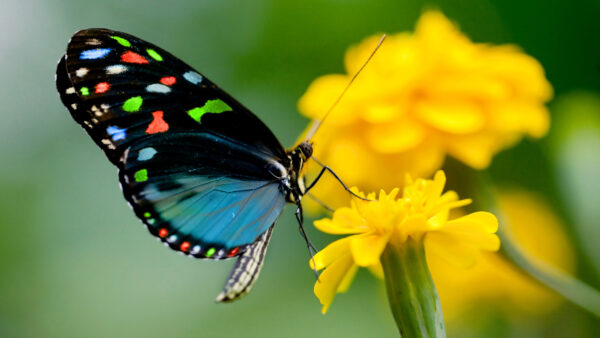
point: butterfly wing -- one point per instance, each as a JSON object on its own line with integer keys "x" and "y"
{"x": 195, "y": 207}
{"x": 115, "y": 75}
{"x": 196, "y": 166}
{"x": 246, "y": 270}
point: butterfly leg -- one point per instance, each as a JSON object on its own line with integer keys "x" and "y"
{"x": 311, "y": 248}
{"x": 325, "y": 169}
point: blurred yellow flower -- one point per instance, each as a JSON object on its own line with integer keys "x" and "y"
{"x": 422, "y": 210}
{"x": 535, "y": 227}
{"x": 422, "y": 96}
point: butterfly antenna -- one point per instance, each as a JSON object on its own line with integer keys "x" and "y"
{"x": 317, "y": 123}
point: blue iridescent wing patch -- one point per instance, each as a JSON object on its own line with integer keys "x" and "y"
{"x": 201, "y": 210}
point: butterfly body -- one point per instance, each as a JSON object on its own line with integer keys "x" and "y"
{"x": 202, "y": 172}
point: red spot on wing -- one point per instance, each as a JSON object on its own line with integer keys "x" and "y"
{"x": 162, "y": 233}
{"x": 168, "y": 80}
{"x": 132, "y": 57}
{"x": 185, "y": 246}
{"x": 102, "y": 87}
{"x": 158, "y": 125}
{"x": 233, "y": 252}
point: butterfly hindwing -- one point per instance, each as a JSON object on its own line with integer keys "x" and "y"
{"x": 195, "y": 164}
{"x": 246, "y": 269}
{"x": 206, "y": 211}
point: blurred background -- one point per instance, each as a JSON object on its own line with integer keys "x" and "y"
{"x": 75, "y": 262}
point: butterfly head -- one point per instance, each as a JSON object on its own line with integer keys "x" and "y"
{"x": 305, "y": 150}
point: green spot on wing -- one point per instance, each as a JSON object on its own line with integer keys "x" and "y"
{"x": 141, "y": 175}
{"x": 153, "y": 54}
{"x": 133, "y": 104}
{"x": 84, "y": 91}
{"x": 210, "y": 252}
{"x": 211, "y": 106}
{"x": 147, "y": 214}
{"x": 122, "y": 41}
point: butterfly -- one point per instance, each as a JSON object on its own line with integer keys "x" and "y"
{"x": 202, "y": 172}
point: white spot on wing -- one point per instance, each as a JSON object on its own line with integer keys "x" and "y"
{"x": 70, "y": 90}
{"x": 158, "y": 88}
{"x": 96, "y": 111}
{"x": 193, "y": 77}
{"x": 115, "y": 69}
{"x": 93, "y": 42}
{"x": 195, "y": 249}
{"x": 81, "y": 72}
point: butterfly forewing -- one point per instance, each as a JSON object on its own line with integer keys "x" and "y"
{"x": 193, "y": 162}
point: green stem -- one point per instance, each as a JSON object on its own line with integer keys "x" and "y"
{"x": 569, "y": 287}
{"x": 413, "y": 298}
{"x": 565, "y": 285}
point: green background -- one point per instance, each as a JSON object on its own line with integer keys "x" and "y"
{"x": 75, "y": 262}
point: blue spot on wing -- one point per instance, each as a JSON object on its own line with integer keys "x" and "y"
{"x": 116, "y": 133}
{"x": 218, "y": 210}
{"x": 146, "y": 154}
{"x": 192, "y": 77}
{"x": 93, "y": 54}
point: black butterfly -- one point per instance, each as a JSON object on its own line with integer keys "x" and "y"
{"x": 202, "y": 172}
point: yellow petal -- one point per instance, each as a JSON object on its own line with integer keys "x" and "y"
{"x": 438, "y": 33}
{"x": 448, "y": 196}
{"x": 395, "y": 137}
{"x": 475, "y": 150}
{"x": 439, "y": 219}
{"x": 435, "y": 187}
{"x": 331, "y": 279}
{"x": 524, "y": 73}
{"x": 366, "y": 249}
{"x": 348, "y": 278}
{"x": 451, "y": 116}
{"x": 469, "y": 85}
{"x": 480, "y": 219}
{"x": 413, "y": 224}
{"x": 458, "y": 204}
{"x": 474, "y": 236}
{"x": 330, "y": 253}
{"x": 451, "y": 248}
{"x": 519, "y": 116}
{"x": 345, "y": 221}
{"x": 376, "y": 270}
{"x": 383, "y": 113}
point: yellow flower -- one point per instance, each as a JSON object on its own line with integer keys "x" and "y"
{"x": 495, "y": 281}
{"x": 423, "y": 96}
{"x": 420, "y": 213}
